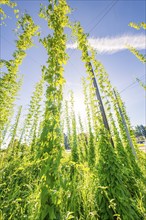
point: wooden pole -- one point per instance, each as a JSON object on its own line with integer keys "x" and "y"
{"x": 103, "y": 114}
{"x": 125, "y": 125}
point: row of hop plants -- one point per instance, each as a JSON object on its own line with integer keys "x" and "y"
{"x": 10, "y": 82}
{"x": 102, "y": 177}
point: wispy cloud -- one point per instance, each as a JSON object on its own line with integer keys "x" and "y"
{"x": 116, "y": 44}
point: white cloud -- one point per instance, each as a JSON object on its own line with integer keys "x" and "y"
{"x": 116, "y": 44}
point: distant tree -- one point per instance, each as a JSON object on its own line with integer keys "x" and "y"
{"x": 140, "y": 130}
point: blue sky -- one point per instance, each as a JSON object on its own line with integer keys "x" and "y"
{"x": 101, "y": 19}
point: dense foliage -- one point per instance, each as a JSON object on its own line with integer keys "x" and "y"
{"x": 102, "y": 176}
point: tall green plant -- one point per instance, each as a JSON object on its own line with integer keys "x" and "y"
{"x": 50, "y": 146}
{"x": 140, "y": 56}
{"x": 14, "y": 141}
{"x": 9, "y": 84}
{"x": 91, "y": 146}
{"x": 82, "y": 141}
{"x": 68, "y": 122}
{"x": 32, "y": 119}
{"x": 74, "y": 139}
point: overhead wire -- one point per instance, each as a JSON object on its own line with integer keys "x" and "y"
{"x": 87, "y": 25}
{"x": 130, "y": 85}
{"x": 106, "y": 13}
